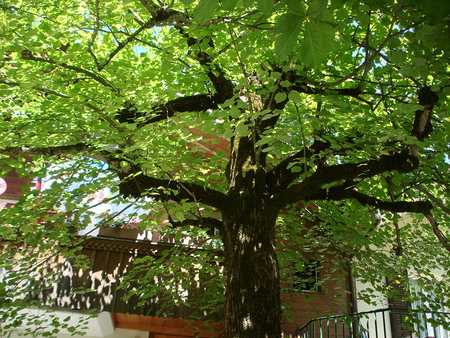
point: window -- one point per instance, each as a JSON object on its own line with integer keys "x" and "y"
{"x": 426, "y": 318}
{"x": 306, "y": 276}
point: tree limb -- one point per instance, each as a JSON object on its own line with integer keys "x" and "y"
{"x": 303, "y": 87}
{"x": 55, "y": 151}
{"x": 282, "y": 175}
{"x": 47, "y": 91}
{"x": 204, "y": 222}
{"x": 422, "y": 125}
{"x": 159, "y": 16}
{"x": 134, "y": 182}
{"x": 39, "y": 89}
{"x": 434, "y": 199}
{"x": 197, "y": 103}
{"x": 347, "y": 172}
{"x": 90, "y": 74}
{"x": 438, "y": 233}
{"x": 344, "y": 192}
{"x": 223, "y": 86}
{"x": 95, "y": 33}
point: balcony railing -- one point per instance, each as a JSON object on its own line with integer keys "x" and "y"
{"x": 385, "y": 323}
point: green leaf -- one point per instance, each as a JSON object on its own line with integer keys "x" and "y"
{"x": 179, "y": 216}
{"x": 234, "y": 112}
{"x": 285, "y": 83}
{"x": 178, "y": 235}
{"x": 242, "y": 129}
{"x": 318, "y": 41}
{"x": 435, "y": 88}
{"x": 205, "y": 10}
{"x": 265, "y": 6}
{"x": 297, "y": 7}
{"x": 317, "y": 9}
{"x": 280, "y": 97}
{"x": 398, "y": 57}
{"x": 295, "y": 96}
{"x": 229, "y": 5}
{"x": 436, "y": 10}
{"x": 286, "y": 31}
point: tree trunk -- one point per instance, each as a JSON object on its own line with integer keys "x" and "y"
{"x": 252, "y": 301}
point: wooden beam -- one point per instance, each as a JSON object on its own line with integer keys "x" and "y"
{"x": 163, "y": 326}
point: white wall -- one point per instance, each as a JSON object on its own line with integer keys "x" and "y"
{"x": 101, "y": 326}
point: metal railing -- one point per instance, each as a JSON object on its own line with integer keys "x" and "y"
{"x": 384, "y": 323}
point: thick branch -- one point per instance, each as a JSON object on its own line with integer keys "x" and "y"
{"x": 78, "y": 148}
{"x": 223, "y": 86}
{"x": 39, "y": 89}
{"x": 204, "y": 222}
{"x": 343, "y": 192}
{"x": 435, "y": 200}
{"x": 281, "y": 176}
{"x": 343, "y": 172}
{"x": 134, "y": 182}
{"x": 422, "y": 125}
{"x": 420, "y": 207}
{"x": 302, "y": 87}
{"x": 47, "y": 91}
{"x": 201, "y": 102}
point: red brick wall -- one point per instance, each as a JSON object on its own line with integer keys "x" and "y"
{"x": 15, "y": 184}
{"x": 331, "y": 299}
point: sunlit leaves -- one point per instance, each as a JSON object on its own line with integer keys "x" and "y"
{"x": 297, "y": 7}
{"x": 317, "y": 42}
{"x": 205, "y": 9}
{"x": 280, "y": 97}
{"x": 229, "y": 5}
{"x": 436, "y": 11}
{"x": 287, "y": 30}
{"x": 318, "y": 33}
{"x": 343, "y": 76}
{"x": 295, "y": 96}
{"x": 265, "y": 6}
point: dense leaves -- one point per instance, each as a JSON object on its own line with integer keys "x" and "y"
{"x": 227, "y": 114}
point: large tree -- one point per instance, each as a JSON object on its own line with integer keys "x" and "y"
{"x": 342, "y": 104}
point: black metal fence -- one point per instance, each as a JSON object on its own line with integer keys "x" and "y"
{"x": 384, "y": 323}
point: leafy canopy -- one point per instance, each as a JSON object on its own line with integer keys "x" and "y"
{"x": 340, "y": 100}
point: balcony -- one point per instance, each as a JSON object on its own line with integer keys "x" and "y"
{"x": 384, "y": 323}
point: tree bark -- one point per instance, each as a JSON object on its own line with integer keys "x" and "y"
{"x": 252, "y": 300}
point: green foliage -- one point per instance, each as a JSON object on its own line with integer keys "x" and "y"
{"x": 316, "y": 26}
{"x": 205, "y": 9}
{"x": 318, "y": 88}
{"x": 181, "y": 277}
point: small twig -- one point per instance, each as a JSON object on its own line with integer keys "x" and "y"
{"x": 368, "y": 61}
{"x": 366, "y": 70}
{"x": 305, "y": 165}
{"x": 434, "y": 199}
{"x": 95, "y": 33}
{"x": 441, "y": 237}
{"x": 90, "y": 74}
{"x": 121, "y": 45}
